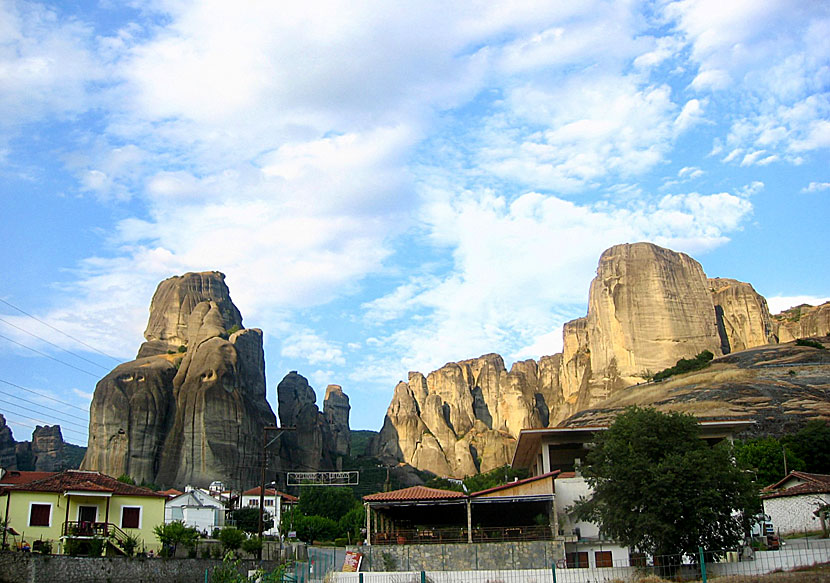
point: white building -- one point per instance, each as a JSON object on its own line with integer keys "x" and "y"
{"x": 793, "y": 502}
{"x": 564, "y": 448}
{"x": 273, "y": 503}
{"x": 196, "y": 508}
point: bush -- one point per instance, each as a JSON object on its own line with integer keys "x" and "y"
{"x": 231, "y": 538}
{"x": 685, "y": 365}
{"x": 129, "y": 545}
{"x": 96, "y": 546}
{"x": 182, "y": 348}
{"x": 341, "y": 542}
{"x": 252, "y": 545}
{"x": 810, "y": 342}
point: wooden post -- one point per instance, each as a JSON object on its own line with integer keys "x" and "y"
{"x": 368, "y": 523}
{"x": 469, "y": 522}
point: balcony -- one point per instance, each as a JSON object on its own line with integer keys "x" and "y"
{"x": 425, "y": 535}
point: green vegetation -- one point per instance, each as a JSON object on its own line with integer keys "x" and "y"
{"x": 231, "y": 538}
{"x": 325, "y": 513}
{"x": 360, "y": 441}
{"x": 247, "y": 519}
{"x": 684, "y": 365}
{"x": 126, "y": 479}
{"x": 182, "y": 348}
{"x": 172, "y": 534}
{"x": 807, "y": 450}
{"x": 252, "y": 545}
{"x": 660, "y": 488}
{"x": 810, "y": 342}
{"x": 480, "y": 482}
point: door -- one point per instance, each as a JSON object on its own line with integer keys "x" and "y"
{"x": 86, "y": 518}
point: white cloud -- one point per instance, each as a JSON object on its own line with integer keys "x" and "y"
{"x": 690, "y": 172}
{"x": 816, "y": 187}
{"x": 778, "y": 304}
{"x": 308, "y": 346}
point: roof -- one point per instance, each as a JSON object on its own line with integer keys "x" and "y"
{"x": 529, "y": 442}
{"x": 514, "y": 484}
{"x": 414, "y": 494}
{"x": 171, "y": 493}
{"x": 84, "y": 481}
{"x": 14, "y": 477}
{"x": 812, "y": 484}
{"x": 271, "y": 492}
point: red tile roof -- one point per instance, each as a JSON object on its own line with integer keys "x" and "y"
{"x": 813, "y": 484}
{"x": 171, "y": 493}
{"x": 414, "y": 493}
{"x": 78, "y": 480}
{"x": 516, "y": 483}
{"x": 271, "y": 492}
{"x": 14, "y": 477}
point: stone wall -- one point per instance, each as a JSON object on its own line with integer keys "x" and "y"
{"x": 461, "y": 556}
{"x": 16, "y": 567}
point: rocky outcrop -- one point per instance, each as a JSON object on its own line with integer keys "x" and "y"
{"x": 742, "y": 315}
{"x": 47, "y": 448}
{"x": 803, "y": 321}
{"x": 336, "y": 410}
{"x": 8, "y": 446}
{"x": 648, "y": 307}
{"x": 317, "y": 440}
{"x": 175, "y": 418}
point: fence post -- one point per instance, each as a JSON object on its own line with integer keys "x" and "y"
{"x": 360, "y": 578}
{"x": 553, "y": 570}
{"x": 423, "y": 577}
{"x": 702, "y": 565}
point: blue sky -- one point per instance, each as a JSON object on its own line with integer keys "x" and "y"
{"x": 390, "y": 186}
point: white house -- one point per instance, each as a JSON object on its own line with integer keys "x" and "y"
{"x": 196, "y": 508}
{"x": 792, "y": 503}
{"x": 273, "y": 502}
{"x": 564, "y": 448}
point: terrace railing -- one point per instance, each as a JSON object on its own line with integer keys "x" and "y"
{"x": 441, "y": 535}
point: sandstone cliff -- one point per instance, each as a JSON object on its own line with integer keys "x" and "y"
{"x": 8, "y": 446}
{"x": 46, "y": 452}
{"x": 648, "y": 307}
{"x": 803, "y": 321}
{"x": 176, "y": 418}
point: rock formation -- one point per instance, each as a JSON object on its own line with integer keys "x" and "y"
{"x": 8, "y": 446}
{"x": 47, "y": 448}
{"x": 319, "y": 441}
{"x": 803, "y": 321}
{"x": 177, "y": 416}
{"x": 648, "y": 307}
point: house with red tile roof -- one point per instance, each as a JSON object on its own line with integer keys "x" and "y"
{"x": 797, "y": 502}
{"x": 73, "y": 507}
{"x": 274, "y": 504}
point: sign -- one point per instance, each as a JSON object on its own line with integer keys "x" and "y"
{"x": 349, "y": 478}
{"x": 352, "y": 562}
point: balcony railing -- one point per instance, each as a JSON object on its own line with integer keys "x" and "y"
{"x": 459, "y": 535}
{"x": 84, "y": 529}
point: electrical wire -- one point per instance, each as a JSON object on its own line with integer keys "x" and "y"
{"x": 44, "y": 396}
{"x": 92, "y": 374}
{"x": 70, "y": 423}
{"x": 39, "y": 421}
{"x": 44, "y": 406}
{"x": 58, "y": 330}
{"x": 92, "y": 362}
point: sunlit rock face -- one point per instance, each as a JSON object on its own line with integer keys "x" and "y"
{"x": 648, "y": 307}
{"x": 175, "y": 418}
{"x": 742, "y": 315}
{"x": 803, "y": 321}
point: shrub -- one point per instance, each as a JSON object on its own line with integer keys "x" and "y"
{"x": 182, "y": 348}
{"x": 231, "y": 538}
{"x": 96, "y": 546}
{"x": 252, "y": 545}
{"x": 129, "y": 545}
{"x": 810, "y": 342}
{"x": 685, "y": 365}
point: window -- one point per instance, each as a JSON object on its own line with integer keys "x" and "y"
{"x": 253, "y": 502}
{"x": 577, "y": 560}
{"x": 603, "y": 559}
{"x": 40, "y": 514}
{"x": 269, "y": 502}
{"x": 131, "y": 517}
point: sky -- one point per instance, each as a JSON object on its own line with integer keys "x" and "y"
{"x": 389, "y": 186}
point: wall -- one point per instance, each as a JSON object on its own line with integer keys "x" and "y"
{"x": 461, "y": 556}
{"x": 793, "y": 514}
{"x": 33, "y": 568}
{"x": 19, "y": 504}
{"x": 568, "y": 491}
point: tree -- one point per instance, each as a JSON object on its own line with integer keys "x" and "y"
{"x": 661, "y": 489}
{"x": 231, "y": 538}
{"x": 328, "y": 501}
{"x": 172, "y": 534}
{"x": 812, "y": 444}
{"x": 764, "y": 458}
{"x": 247, "y": 519}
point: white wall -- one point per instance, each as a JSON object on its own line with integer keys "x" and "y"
{"x": 791, "y": 514}
{"x": 568, "y": 491}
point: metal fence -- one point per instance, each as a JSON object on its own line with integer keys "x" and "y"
{"x": 798, "y": 556}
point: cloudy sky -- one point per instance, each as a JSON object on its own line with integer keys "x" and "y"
{"x": 389, "y": 186}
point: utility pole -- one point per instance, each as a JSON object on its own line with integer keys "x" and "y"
{"x": 265, "y": 444}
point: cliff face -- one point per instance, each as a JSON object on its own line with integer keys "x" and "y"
{"x": 803, "y": 322}
{"x": 185, "y": 418}
{"x": 8, "y": 446}
{"x": 46, "y": 452}
{"x": 648, "y": 307}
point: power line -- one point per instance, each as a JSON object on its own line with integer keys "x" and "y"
{"x": 44, "y": 406}
{"x": 92, "y": 374}
{"x": 44, "y": 396}
{"x": 58, "y": 330}
{"x": 70, "y": 423}
{"x": 53, "y": 344}
{"x": 73, "y": 431}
